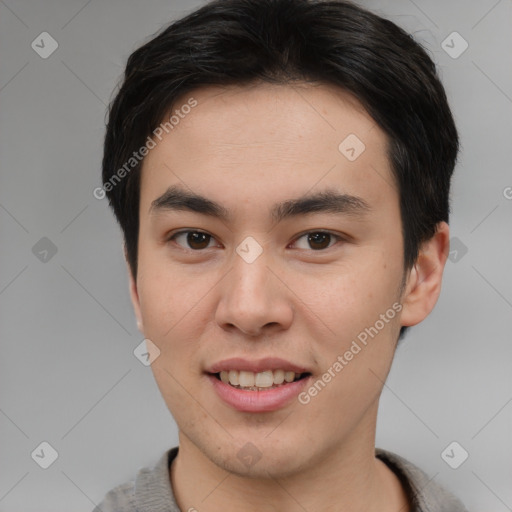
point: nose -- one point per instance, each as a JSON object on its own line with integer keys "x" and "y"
{"x": 254, "y": 299}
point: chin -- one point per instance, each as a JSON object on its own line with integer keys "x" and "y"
{"x": 267, "y": 462}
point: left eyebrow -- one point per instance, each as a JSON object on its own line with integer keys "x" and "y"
{"x": 327, "y": 201}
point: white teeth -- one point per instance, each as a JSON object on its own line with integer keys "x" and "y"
{"x": 245, "y": 379}
{"x": 278, "y": 376}
{"x": 266, "y": 379}
{"x": 289, "y": 376}
{"x": 233, "y": 377}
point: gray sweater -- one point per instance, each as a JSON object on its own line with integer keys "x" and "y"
{"x": 151, "y": 490}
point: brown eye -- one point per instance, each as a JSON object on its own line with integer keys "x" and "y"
{"x": 195, "y": 240}
{"x": 317, "y": 240}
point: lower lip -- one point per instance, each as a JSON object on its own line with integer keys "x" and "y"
{"x": 258, "y": 401}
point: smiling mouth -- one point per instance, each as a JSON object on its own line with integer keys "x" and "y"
{"x": 261, "y": 381}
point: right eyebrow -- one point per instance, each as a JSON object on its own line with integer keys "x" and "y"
{"x": 178, "y": 198}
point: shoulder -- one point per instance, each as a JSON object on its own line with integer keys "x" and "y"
{"x": 119, "y": 499}
{"x": 425, "y": 494}
{"x": 149, "y": 490}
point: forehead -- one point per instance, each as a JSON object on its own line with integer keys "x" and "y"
{"x": 268, "y": 139}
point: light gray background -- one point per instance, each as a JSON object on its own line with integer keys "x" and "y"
{"x": 68, "y": 374}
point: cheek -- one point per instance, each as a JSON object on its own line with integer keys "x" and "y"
{"x": 360, "y": 305}
{"x": 173, "y": 315}
{"x": 356, "y": 359}
{"x": 169, "y": 294}
{"x": 351, "y": 297}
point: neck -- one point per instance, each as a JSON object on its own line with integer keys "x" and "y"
{"x": 343, "y": 479}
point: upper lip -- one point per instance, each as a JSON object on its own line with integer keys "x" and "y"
{"x": 256, "y": 366}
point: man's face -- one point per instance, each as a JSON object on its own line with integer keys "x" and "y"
{"x": 266, "y": 283}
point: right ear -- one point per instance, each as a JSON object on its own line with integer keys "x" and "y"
{"x": 134, "y": 295}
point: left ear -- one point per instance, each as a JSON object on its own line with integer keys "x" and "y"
{"x": 424, "y": 281}
{"x": 134, "y": 295}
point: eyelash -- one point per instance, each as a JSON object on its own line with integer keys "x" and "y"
{"x": 338, "y": 237}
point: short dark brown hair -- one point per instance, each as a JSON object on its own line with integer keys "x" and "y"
{"x": 241, "y": 42}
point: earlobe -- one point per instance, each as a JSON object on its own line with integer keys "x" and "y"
{"x": 424, "y": 281}
{"x": 134, "y": 295}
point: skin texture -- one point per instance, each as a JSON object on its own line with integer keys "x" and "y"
{"x": 249, "y": 148}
